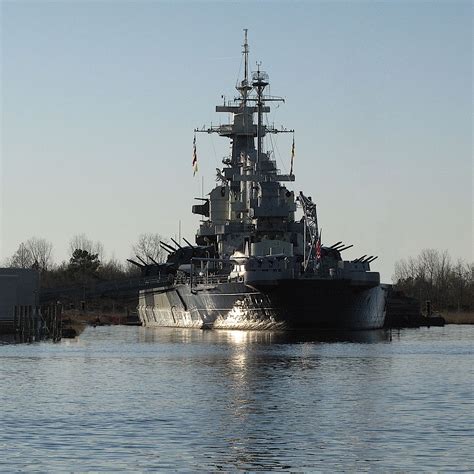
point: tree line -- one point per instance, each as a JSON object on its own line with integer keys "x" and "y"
{"x": 86, "y": 259}
{"x": 430, "y": 276}
{"x": 433, "y": 276}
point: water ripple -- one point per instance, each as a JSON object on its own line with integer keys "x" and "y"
{"x": 134, "y": 400}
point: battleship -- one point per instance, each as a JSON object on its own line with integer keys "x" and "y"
{"x": 254, "y": 263}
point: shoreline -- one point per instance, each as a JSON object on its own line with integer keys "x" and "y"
{"x": 92, "y": 317}
{"x": 458, "y": 317}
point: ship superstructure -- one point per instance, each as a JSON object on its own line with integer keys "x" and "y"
{"x": 250, "y": 205}
{"x": 254, "y": 265}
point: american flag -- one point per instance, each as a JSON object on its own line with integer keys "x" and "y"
{"x": 292, "y": 156}
{"x": 318, "y": 249}
{"x": 195, "y": 158}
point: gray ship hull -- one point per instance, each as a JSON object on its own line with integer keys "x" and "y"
{"x": 289, "y": 304}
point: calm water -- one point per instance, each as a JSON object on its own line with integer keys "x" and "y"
{"x": 136, "y": 399}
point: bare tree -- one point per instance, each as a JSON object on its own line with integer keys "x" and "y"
{"x": 22, "y": 258}
{"x": 409, "y": 269}
{"x": 41, "y": 252}
{"x": 82, "y": 242}
{"x": 444, "y": 272}
{"x": 432, "y": 276}
{"x": 402, "y": 271}
{"x": 148, "y": 246}
{"x": 112, "y": 269}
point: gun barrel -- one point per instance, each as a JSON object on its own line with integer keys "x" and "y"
{"x": 336, "y": 244}
{"x": 153, "y": 260}
{"x": 168, "y": 246}
{"x": 189, "y": 243}
{"x": 176, "y": 243}
{"x": 141, "y": 260}
{"x": 346, "y": 247}
{"x": 139, "y": 265}
{"x": 164, "y": 248}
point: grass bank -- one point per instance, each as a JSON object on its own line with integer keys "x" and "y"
{"x": 458, "y": 317}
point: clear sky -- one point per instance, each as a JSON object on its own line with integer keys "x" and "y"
{"x": 100, "y": 99}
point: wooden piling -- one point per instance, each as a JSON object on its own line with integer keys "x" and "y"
{"x": 15, "y": 322}
{"x": 29, "y": 325}
{"x": 35, "y": 323}
{"x": 22, "y": 324}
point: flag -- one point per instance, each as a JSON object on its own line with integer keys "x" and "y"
{"x": 318, "y": 249}
{"x": 195, "y": 158}
{"x": 292, "y": 155}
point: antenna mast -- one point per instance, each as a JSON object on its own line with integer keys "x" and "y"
{"x": 246, "y": 57}
{"x": 244, "y": 88}
{"x": 259, "y": 81}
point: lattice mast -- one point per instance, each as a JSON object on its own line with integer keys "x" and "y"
{"x": 311, "y": 230}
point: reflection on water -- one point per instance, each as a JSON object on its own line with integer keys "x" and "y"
{"x": 133, "y": 399}
{"x": 240, "y": 337}
{"x": 224, "y": 336}
{"x": 6, "y": 339}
